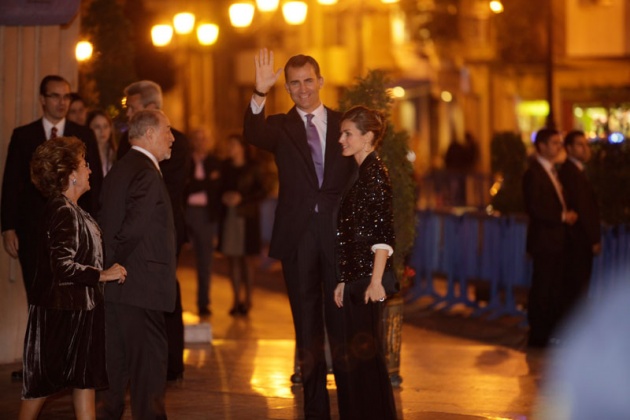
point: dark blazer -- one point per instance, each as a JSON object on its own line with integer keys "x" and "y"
{"x": 174, "y": 170}
{"x": 69, "y": 259}
{"x": 366, "y": 218}
{"x": 284, "y": 135}
{"x": 546, "y": 231}
{"x": 137, "y": 221}
{"x": 22, "y": 203}
{"x": 581, "y": 199}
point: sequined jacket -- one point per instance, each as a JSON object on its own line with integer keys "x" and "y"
{"x": 365, "y": 219}
{"x": 69, "y": 259}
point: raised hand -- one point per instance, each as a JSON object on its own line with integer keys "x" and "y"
{"x": 266, "y": 76}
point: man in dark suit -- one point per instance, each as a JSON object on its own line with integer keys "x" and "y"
{"x": 22, "y": 203}
{"x": 584, "y": 237}
{"x": 303, "y": 234}
{"x": 138, "y": 231}
{"x": 146, "y": 94}
{"x": 548, "y": 217}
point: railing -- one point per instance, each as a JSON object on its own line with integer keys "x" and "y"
{"x": 474, "y": 249}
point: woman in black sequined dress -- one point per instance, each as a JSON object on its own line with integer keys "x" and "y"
{"x": 64, "y": 345}
{"x": 365, "y": 241}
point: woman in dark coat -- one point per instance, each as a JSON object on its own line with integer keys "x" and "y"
{"x": 242, "y": 190}
{"x": 365, "y": 241}
{"x": 64, "y": 345}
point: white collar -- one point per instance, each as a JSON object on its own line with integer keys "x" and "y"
{"x": 48, "y": 125}
{"x": 148, "y": 154}
{"x": 577, "y": 163}
{"x": 319, "y": 113}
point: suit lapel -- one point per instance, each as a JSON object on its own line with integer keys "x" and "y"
{"x": 543, "y": 173}
{"x": 333, "y": 149}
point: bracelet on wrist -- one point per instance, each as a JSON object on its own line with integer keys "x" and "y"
{"x": 259, "y": 93}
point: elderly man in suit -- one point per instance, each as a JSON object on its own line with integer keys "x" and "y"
{"x": 138, "y": 230}
{"x": 549, "y": 217}
{"x": 312, "y": 175}
{"x": 584, "y": 237}
{"x": 146, "y": 94}
{"x": 22, "y": 203}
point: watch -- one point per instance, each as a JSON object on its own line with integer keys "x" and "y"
{"x": 256, "y": 92}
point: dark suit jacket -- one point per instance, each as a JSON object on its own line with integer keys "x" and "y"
{"x": 581, "y": 199}
{"x": 22, "y": 203}
{"x": 137, "y": 221}
{"x": 284, "y": 135}
{"x": 174, "y": 170}
{"x": 546, "y": 231}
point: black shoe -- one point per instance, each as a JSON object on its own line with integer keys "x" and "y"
{"x": 17, "y": 375}
{"x": 175, "y": 377}
{"x": 243, "y": 308}
{"x": 234, "y": 311}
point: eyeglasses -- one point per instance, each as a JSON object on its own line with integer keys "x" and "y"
{"x": 57, "y": 97}
{"x": 86, "y": 164}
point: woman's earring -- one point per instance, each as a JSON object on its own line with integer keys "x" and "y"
{"x": 74, "y": 181}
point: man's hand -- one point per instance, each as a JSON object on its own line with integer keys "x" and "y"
{"x": 11, "y": 243}
{"x": 597, "y": 248}
{"x": 266, "y": 76}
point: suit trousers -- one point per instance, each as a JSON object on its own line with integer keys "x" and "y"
{"x": 544, "y": 306}
{"x": 577, "y": 274}
{"x": 175, "y": 336}
{"x": 311, "y": 280}
{"x": 136, "y": 357}
{"x": 27, "y": 254}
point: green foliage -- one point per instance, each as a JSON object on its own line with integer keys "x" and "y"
{"x": 609, "y": 172}
{"x": 508, "y": 161}
{"x": 111, "y": 69}
{"x": 371, "y": 92}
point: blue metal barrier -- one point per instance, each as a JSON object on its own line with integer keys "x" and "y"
{"x": 493, "y": 250}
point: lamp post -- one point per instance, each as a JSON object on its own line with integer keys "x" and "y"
{"x": 178, "y": 36}
{"x": 550, "y": 121}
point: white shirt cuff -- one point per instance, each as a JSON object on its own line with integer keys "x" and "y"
{"x": 257, "y": 109}
{"x": 389, "y": 249}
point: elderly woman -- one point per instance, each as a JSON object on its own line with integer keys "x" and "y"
{"x": 365, "y": 240}
{"x": 64, "y": 346}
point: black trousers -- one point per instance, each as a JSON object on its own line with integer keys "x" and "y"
{"x": 27, "y": 254}
{"x": 369, "y": 392}
{"x": 545, "y": 301}
{"x": 136, "y": 357}
{"x": 311, "y": 280}
{"x": 577, "y": 274}
{"x": 175, "y": 336}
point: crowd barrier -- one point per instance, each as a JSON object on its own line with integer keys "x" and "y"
{"x": 474, "y": 249}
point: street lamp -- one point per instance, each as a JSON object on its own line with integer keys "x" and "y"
{"x": 83, "y": 51}
{"x": 180, "y": 34}
{"x": 294, "y": 11}
{"x": 184, "y": 24}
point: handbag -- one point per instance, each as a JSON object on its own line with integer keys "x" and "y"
{"x": 356, "y": 289}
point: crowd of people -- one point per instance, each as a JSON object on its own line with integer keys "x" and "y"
{"x": 97, "y": 219}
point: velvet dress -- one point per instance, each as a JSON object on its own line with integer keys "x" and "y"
{"x": 365, "y": 219}
{"x": 64, "y": 345}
